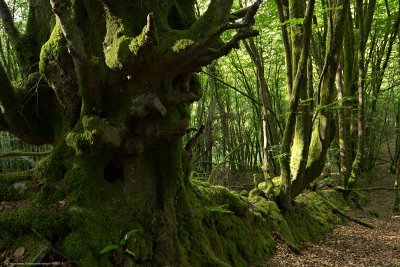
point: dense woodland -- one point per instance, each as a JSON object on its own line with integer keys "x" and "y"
{"x": 190, "y": 132}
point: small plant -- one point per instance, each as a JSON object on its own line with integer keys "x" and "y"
{"x": 122, "y": 244}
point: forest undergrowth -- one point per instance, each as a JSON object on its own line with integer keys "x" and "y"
{"x": 352, "y": 244}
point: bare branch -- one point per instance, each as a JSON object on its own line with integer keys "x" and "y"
{"x": 195, "y": 50}
{"x": 239, "y": 14}
{"x": 244, "y": 32}
{"x": 8, "y": 23}
{"x": 74, "y": 38}
{"x": 71, "y": 32}
{"x": 208, "y": 48}
{"x": 224, "y": 50}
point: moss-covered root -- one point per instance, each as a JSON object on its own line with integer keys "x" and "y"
{"x": 221, "y": 228}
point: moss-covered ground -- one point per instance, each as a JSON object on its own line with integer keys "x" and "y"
{"x": 221, "y": 228}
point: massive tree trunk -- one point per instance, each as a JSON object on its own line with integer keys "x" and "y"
{"x": 115, "y": 80}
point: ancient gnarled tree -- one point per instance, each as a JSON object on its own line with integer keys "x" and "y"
{"x": 112, "y": 83}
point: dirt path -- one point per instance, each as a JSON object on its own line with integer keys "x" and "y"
{"x": 352, "y": 244}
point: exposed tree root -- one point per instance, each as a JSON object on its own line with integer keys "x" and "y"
{"x": 341, "y": 213}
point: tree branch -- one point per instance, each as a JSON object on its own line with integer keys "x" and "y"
{"x": 74, "y": 38}
{"x": 22, "y": 153}
{"x": 224, "y": 50}
{"x": 286, "y": 43}
{"x": 149, "y": 43}
{"x": 238, "y": 14}
{"x": 208, "y": 46}
{"x": 216, "y": 14}
{"x": 25, "y": 124}
{"x": 243, "y": 33}
{"x": 194, "y": 51}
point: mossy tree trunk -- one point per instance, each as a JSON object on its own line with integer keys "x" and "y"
{"x": 346, "y": 115}
{"x": 297, "y": 54}
{"x": 115, "y": 79}
{"x": 298, "y": 143}
{"x": 323, "y": 132}
{"x": 365, "y": 14}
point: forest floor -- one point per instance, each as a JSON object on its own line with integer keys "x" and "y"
{"x": 352, "y": 244}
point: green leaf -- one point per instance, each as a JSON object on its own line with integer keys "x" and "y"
{"x": 127, "y": 236}
{"x": 108, "y": 249}
{"x": 130, "y": 252}
{"x": 294, "y": 21}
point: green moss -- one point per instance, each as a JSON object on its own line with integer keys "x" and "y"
{"x": 311, "y": 217}
{"x": 92, "y": 135}
{"x": 230, "y": 234}
{"x": 181, "y": 45}
{"x": 76, "y": 246}
{"x": 118, "y": 45}
{"x": 33, "y": 246}
{"x": 28, "y": 218}
{"x": 205, "y": 236}
{"x": 10, "y": 184}
{"x": 355, "y": 172}
{"x": 54, "y": 50}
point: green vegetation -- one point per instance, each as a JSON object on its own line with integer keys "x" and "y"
{"x": 159, "y": 112}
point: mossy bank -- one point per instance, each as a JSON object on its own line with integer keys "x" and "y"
{"x": 222, "y": 229}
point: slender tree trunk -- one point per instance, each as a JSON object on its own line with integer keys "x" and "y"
{"x": 323, "y": 132}
{"x": 343, "y": 130}
{"x": 379, "y": 69}
{"x": 364, "y": 24}
{"x": 208, "y": 136}
{"x": 269, "y": 125}
{"x": 300, "y": 82}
